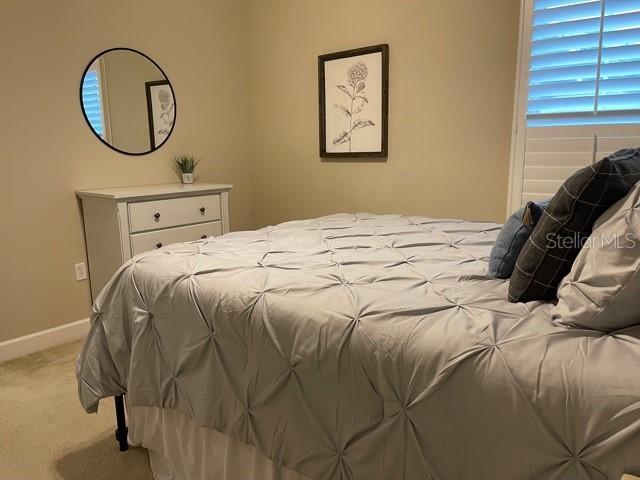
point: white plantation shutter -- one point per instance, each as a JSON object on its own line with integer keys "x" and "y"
{"x": 619, "y": 87}
{"x": 564, "y": 58}
{"x": 579, "y": 90}
{"x": 552, "y": 156}
{"x": 92, "y": 99}
{"x": 585, "y": 63}
{"x": 553, "y": 153}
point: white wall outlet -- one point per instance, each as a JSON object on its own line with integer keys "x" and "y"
{"x": 81, "y": 271}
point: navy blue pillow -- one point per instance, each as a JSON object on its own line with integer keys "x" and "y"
{"x": 512, "y": 237}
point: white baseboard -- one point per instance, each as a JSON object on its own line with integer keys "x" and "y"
{"x": 34, "y": 342}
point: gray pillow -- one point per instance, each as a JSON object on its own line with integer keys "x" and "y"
{"x": 512, "y": 238}
{"x": 602, "y": 290}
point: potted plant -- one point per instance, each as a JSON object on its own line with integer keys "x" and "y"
{"x": 184, "y": 166}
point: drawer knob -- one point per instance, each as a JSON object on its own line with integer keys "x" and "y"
{"x": 203, "y": 236}
{"x": 159, "y": 244}
{"x": 156, "y": 216}
{"x": 202, "y": 210}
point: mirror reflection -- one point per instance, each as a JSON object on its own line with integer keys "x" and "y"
{"x": 128, "y": 101}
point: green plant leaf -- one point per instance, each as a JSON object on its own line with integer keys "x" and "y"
{"x": 184, "y": 164}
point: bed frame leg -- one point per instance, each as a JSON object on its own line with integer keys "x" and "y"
{"x": 122, "y": 431}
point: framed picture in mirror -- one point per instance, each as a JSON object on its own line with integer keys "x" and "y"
{"x": 161, "y": 109}
{"x": 127, "y": 101}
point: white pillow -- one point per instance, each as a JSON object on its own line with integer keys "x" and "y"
{"x": 602, "y": 290}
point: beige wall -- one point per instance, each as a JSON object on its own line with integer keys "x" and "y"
{"x": 452, "y": 75}
{"x": 125, "y": 76}
{"x": 47, "y": 151}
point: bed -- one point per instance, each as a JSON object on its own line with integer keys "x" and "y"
{"x": 358, "y": 346}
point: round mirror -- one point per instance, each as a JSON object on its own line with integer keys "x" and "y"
{"x": 127, "y": 101}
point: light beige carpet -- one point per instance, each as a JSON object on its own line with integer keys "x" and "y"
{"x": 45, "y": 434}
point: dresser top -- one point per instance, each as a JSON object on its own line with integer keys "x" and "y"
{"x": 154, "y": 191}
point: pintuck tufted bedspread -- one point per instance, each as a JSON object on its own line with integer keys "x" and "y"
{"x": 366, "y": 347}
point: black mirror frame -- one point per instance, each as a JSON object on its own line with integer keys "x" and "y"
{"x": 135, "y": 154}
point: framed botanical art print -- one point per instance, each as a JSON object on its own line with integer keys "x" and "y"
{"x": 353, "y": 89}
{"x": 161, "y": 108}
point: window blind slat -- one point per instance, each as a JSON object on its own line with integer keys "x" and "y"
{"x": 563, "y": 74}
{"x": 565, "y": 59}
{"x": 562, "y": 105}
{"x": 616, "y": 7}
{"x": 621, "y": 21}
{"x": 620, "y": 86}
{"x": 620, "y": 54}
{"x": 621, "y": 38}
{"x": 542, "y": 4}
{"x": 603, "y": 118}
{"x": 620, "y": 70}
{"x": 629, "y": 101}
{"x": 565, "y": 44}
{"x": 561, "y": 89}
{"x": 566, "y": 29}
{"x": 570, "y": 13}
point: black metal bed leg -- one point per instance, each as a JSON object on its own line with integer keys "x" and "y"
{"x": 122, "y": 431}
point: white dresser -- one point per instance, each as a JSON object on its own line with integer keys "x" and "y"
{"x": 122, "y": 222}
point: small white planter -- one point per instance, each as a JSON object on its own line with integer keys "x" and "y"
{"x": 187, "y": 178}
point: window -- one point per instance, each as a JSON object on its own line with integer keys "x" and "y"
{"x": 578, "y": 90}
{"x": 585, "y": 62}
{"x": 92, "y": 99}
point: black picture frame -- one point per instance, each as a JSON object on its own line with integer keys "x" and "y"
{"x": 384, "y": 141}
{"x": 147, "y": 87}
{"x": 84, "y": 114}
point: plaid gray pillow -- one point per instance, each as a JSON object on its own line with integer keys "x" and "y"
{"x": 567, "y": 222}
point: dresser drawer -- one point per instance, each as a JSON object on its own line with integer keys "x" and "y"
{"x": 142, "y": 242}
{"x": 144, "y": 216}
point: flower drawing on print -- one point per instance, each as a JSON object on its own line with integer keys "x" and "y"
{"x": 167, "y": 107}
{"x": 355, "y": 102}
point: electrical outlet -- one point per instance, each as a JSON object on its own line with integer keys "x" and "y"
{"x": 81, "y": 271}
